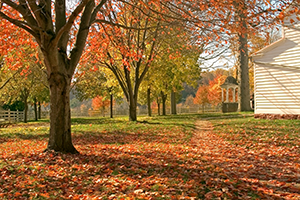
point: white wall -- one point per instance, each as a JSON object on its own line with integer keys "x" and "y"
{"x": 277, "y": 89}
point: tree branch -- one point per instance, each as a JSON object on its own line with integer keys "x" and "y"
{"x": 100, "y": 21}
{"x": 96, "y": 10}
{"x": 69, "y": 23}
{"x": 7, "y": 81}
{"x": 19, "y": 23}
{"x": 81, "y": 36}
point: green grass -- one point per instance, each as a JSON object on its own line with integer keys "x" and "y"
{"x": 248, "y": 131}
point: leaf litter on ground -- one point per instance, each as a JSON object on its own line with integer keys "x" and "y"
{"x": 174, "y": 157}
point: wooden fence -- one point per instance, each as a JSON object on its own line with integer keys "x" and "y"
{"x": 144, "y": 111}
{"x": 11, "y": 116}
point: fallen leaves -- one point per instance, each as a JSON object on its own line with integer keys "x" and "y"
{"x": 151, "y": 161}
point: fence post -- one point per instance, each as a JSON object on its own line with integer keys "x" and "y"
{"x": 17, "y": 115}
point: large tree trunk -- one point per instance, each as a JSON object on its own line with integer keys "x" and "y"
{"x": 244, "y": 88}
{"x": 164, "y": 99}
{"x": 149, "y": 101}
{"x": 173, "y": 103}
{"x": 243, "y": 59}
{"x": 60, "y": 117}
{"x": 132, "y": 111}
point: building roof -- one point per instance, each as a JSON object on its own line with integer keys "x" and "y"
{"x": 229, "y": 82}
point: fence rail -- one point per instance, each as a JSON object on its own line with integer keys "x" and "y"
{"x": 144, "y": 111}
{"x": 11, "y": 116}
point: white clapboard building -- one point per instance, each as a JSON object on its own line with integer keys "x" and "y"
{"x": 277, "y": 74}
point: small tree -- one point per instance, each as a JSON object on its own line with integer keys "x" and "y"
{"x": 201, "y": 97}
{"x": 100, "y": 103}
{"x": 215, "y": 92}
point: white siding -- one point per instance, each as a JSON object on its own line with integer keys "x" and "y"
{"x": 287, "y": 54}
{"x": 277, "y": 90}
{"x": 287, "y": 51}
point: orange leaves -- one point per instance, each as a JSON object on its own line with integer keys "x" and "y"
{"x": 130, "y": 160}
{"x": 202, "y": 95}
{"x": 98, "y": 103}
{"x": 14, "y": 45}
{"x": 210, "y": 94}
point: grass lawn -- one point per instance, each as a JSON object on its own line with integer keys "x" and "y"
{"x": 155, "y": 158}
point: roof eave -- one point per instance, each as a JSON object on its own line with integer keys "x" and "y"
{"x": 261, "y": 52}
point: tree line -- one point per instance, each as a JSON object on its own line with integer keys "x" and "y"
{"x": 134, "y": 40}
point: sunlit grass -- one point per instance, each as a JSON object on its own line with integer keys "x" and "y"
{"x": 250, "y": 131}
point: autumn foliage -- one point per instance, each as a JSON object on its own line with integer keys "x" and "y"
{"x": 100, "y": 103}
{"x": 14, "y": 43}
{"x": 211, "y": 93}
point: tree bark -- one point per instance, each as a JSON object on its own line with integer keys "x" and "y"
{"x": 60, "y": 117}
{"x": 40, "y": 110}
{"x": 243, "y": 58}
{"x": 164, "y": 99}
{"x": 244, "y": 88}
{"x": 173, "y": 103}
{"x": 132, "y": 111}
{"x": 111, "y": 105}
{"x": 149, "y": 101}
{"x": 103, "y": 111}
{"x": 24, "y": 95}
{"x": 25, "y": 110}
{"x": 158, "y": 106}
{"x": 35, "y": 110}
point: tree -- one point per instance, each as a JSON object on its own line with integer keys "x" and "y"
{"x": 52, "y": 26}
{"x": 215, "y": 92}
{"x": 94, "y": 81}
{"x": 128, "y": 53}
{"x": 233, "y": 18}
{"x": 100, "y": 103}
{"x": 26, "y": 82}
{"x": 211, "y": 92}
{"x": 62, "y": 43}
{"x": 189, "y": 102}
{"x": 174, "y": 67}
{"x": 201, "y": 97}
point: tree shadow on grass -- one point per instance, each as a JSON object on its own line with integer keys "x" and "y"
{"x": 130, "y": 137}
{"x": 96, "y": 120}
{"x": 22, "y": 136}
